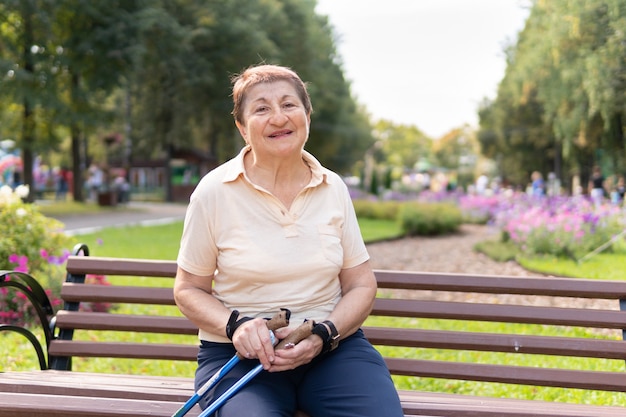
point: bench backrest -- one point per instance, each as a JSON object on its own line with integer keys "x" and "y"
{"x": 406, "y": 302}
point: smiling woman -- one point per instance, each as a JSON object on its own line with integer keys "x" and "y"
{"x": 303, "y": 251}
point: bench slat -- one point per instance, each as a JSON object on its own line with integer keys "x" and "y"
{"x": 486, "y": 342}
{"x": 123, "y": 350}
{"x": 421, "y": 403}
{"x": 124, "y": 322}
{"x": 85, "y": 384}
{"x": 413, "y": 403}
{"x": 487, "y": 284}
{"x": 562, "y": 287}
{"x": 121, "y": 266}
{"x": 594, "y": 380}
{"x": 506, "y": 313}
{"x": 73, "y": 292}
{"x": 40, "y": 405}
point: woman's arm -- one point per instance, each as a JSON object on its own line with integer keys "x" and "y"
{"x": 192, "y": 294}
{"x": 193, "y": 297}
{"x": 358, "y": 287}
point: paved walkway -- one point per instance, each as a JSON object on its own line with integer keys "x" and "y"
{"x": 131, "y": 214}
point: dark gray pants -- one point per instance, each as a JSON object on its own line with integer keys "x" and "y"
{"x": 349, "y": 381}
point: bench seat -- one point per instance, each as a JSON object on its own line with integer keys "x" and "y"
{"x": 73, "y": 394}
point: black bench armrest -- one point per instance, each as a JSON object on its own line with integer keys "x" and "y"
{"x": 29, "y": 286}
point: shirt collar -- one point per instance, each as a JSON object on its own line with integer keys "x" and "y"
{"x": 237, "y": 169}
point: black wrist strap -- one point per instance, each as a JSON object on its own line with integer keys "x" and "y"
{"x": 330, "y": 339}
{"x": 233, "y": 324}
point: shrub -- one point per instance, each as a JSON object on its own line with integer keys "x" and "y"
{"x": 429, "y": 219}
{"x": 31, "y": 243}
{"x": 381, "y": 210}
{"x": 28, "y": 235}
{"x": 561, "y": 227}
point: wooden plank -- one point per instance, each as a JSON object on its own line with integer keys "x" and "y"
{"x": 414, "y": 280}
{"x": 505, "y": 313}
{"x": 84, "y": 384}
{"x": 414, "y": 403}
{"x": 39, "y": 405}
{"x": 117, "y": 294}
{"x": 123, "y": 350}
{"x": 491, "y": 284}
{"x": 121, "y": 266}
{"x": 490, "y": 342}
{"x": 421, "y": 403}
{"x": 124, "y": 322}
{"x": 548, "y": 377}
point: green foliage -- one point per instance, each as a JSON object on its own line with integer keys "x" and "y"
{"x": 27, "y": 232}
{"x": 429, "y": 219}
{"x": 382, "y": 210}
{"x": 76, "y": 71}
{"x": 560, "y": 104}
{"x": 413, "y": 218}
{"x": 31, "y": 243}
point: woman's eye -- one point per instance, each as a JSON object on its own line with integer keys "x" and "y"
{"x": 260, "y": 109}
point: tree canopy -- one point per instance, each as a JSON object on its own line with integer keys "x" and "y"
{"x": 561, "y": 104}
{"x": 157, "y": 73}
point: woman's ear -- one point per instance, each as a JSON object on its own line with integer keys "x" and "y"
{"x": 242, "y": 130}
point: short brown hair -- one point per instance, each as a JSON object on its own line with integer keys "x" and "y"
{"x": 266, "y": 74}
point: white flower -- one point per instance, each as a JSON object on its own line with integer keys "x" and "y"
{"x": 21, "y": 212}
{"x": 22, "y": 191}
{"x": 6, "y": 195}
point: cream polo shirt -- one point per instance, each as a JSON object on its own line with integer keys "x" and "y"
{"x": 264, "y": 256}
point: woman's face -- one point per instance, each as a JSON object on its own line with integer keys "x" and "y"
{"x": 275, "y": 123}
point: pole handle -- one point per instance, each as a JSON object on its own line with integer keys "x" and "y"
{"x": 299, "y": 333}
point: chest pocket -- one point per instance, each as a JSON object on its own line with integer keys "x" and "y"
{"x": 330, "y": 240}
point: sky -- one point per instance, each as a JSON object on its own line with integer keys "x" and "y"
{"x": 427, "y": 63}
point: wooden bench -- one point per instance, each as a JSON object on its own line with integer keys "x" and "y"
{"x": 412, "y": 297}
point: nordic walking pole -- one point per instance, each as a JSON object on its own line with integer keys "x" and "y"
{"x": 278, "y": 321}
{"x": 302, "y": 332}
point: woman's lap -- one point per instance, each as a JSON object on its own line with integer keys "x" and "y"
{"x": 350, "y": 381}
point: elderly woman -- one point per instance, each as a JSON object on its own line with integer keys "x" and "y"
{"x": 273, "y": 229}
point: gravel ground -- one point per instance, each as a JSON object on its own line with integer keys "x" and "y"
{"x": 455, "y": 254}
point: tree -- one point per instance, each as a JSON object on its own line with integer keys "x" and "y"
{"x": 27, "y": 72}
{"x": 564, "y": 85}
{"x": 95, "y": 45}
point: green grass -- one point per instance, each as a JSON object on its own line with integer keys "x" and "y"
{"x": 154, "y": 242}
{"x": 52, "y": 208}
{"x": 161, "y": 242}
{"x": 603, "y": 266}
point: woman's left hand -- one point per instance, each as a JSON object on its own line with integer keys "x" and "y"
{"x": 292, "y": 357}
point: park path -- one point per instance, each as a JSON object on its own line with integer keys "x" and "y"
{"x": 451, "y": 253}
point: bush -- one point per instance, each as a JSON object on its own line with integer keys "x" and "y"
{"x": 31, "y": 243}
{"x": 562, "y": 228}
{"x": 429, "y": 219}
{"x": 380, "y": 210}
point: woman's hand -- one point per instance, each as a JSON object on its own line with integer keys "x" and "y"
{"x": 292, "y": 356}
{"x": 252, "y": 341}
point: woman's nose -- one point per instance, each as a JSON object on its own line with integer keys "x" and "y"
{"x": 278, "y": 117}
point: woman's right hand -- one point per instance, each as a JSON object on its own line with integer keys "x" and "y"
{"x": 252, "y": 341}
